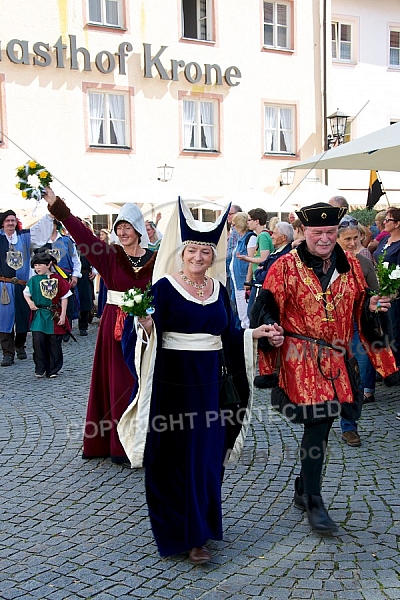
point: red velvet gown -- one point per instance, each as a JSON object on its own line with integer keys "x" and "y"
{"x": 112, "y": 383}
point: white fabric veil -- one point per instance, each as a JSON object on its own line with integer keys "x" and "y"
{"x": 132, "y": 214}
{"x": 168, "y": 260}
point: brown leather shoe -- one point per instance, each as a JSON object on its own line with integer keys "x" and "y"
{"x": 351, "y": 438}
{"x": 199, "y": 556}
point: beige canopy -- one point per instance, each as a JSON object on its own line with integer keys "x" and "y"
{"x": 377, "y": 151}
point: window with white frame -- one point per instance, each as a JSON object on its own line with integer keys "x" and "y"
{"x": 279, "y": 130}
{"x": 106, "y": 12}
{"x": 341, "y": 41}
{"x": 197, "y": 22}
{"x": 276, "y": 24}
{"x": 394, "y": 49}
{"x": 199, "y": 124}
{"x": 108, "y": 123}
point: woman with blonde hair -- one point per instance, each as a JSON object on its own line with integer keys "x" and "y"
{"x": 191, "y": 336}
{"x": 362, "y": 247}
{"x": 272, "y": 223}
{"x": 246, "y": 246}
{"x": 154, "y": 238}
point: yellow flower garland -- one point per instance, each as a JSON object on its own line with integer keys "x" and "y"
{"x": 27, "y": 189}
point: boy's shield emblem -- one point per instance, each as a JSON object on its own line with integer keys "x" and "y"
{"x": 49, "y": 288}
{"x": 14, "y": 259}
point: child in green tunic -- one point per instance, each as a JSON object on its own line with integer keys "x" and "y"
{"x": 47, "y": 295}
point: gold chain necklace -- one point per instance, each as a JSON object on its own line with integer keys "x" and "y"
{"x": 324, "y": 297}
{"x": 199, "y": 287}
{"x": 134, "y": 263}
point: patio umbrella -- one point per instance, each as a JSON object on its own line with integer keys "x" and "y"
{"x": 309, "y": 192}
{"x": 377, "y": 151}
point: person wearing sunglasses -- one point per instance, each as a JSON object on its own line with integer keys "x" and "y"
{"x": 389, "y": 248}
{"x": 349, "y": 239}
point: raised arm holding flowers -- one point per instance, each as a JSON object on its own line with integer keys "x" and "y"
{"x": 123, "y": 266}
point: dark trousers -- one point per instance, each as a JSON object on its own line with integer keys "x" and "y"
{"x": 312, "y": 454}
{"x": 47, "y": 353}
{"x": 10, "y": 341}
{"x": 83, "y": 321}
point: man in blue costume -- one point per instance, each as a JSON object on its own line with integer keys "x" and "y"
{"x": 15, "y": 251}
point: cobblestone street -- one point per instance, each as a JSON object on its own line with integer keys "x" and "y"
{"x": 75, "y": 529}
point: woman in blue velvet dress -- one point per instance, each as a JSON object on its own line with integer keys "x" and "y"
{"x": 189, "y": 436}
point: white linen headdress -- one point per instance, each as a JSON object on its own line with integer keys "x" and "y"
{"x": 132, "y": 214}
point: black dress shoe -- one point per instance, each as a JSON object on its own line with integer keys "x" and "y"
{"x": 120, "y": 460}
{"x": 368, "y": 399}
{"x": 298, "y": 499}
{"x": 83, "y": 332}
{"x": 21, "y": 353}
{"x": 317, "y": 514}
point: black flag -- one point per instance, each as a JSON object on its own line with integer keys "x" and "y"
{"x": 375, "y": 190}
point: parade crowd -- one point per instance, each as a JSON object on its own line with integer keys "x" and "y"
{"x": 248, "y": 301}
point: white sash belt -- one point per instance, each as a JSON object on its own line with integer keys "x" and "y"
{"x": 191, "y": 341}
{"x": 114, "y": 297}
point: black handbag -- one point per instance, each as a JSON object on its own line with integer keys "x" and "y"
{"x": 228, "y": 394}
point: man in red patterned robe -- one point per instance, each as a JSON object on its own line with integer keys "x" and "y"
{"x": 309, "y": 299}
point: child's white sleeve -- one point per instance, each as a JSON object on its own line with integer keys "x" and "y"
{"x": 27, "y": 291}
{"x": 69, "y": 293}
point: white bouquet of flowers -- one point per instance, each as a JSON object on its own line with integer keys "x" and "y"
{"x": 137, "y": 303}
{"x": 388, "y": 278}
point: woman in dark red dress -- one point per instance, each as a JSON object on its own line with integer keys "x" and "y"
{"x": 122, "y": 267}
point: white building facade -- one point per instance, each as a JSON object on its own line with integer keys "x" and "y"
{"x": 102, "y": 92}
{"x": 365, "y": 81}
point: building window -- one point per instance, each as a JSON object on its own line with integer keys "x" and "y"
{"x": 197, "y": 19}
{"x": 394, "y": 60}
{"x": 108, "y": 124}
{"x": 341, "y": 41}
{"x": 106, "y": 12}
{"x": 199, "y": 125}
{"x": 279, "y": 130}
{"x": 276, "y": 24}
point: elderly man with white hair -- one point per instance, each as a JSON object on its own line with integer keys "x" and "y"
{"x": 282, "y": 238}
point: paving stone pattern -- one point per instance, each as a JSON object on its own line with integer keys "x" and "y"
{"x": 74, "y": 529}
